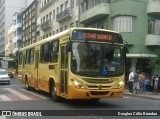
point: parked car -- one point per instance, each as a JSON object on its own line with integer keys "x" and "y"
{"x": 4, "y": 77}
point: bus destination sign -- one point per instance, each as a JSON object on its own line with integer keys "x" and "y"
{"x": 97, "y": 36}
{"x": 92, "y": 35}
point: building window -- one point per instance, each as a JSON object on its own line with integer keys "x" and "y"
{"x": 57, "y": 10}
{"x": 46, "y": 35}
{"x": 61, "y": 8}
{"x": 66, "y": 27}
{"x": 72, "y": 3}
{"x": 154, "y": 0}
{"x": 66, "y": 4}
{"x": 71, "y": 25}
{"x": 53, "y": 14}
{"x": 123, "y": 24}
{"x": 50, "y": 15}
{"x": 77, "y": 23}
{"x": 61, "y": 29}
{"x": 154, "y": 27}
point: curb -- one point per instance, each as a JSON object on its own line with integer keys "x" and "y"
{"x": 149, "y": 96}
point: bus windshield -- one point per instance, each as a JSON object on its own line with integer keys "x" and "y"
{"x": 97, "y": 59}
{"x": 8, "y": 64}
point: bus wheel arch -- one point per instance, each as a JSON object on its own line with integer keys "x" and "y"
{"x": 53, "y": 90}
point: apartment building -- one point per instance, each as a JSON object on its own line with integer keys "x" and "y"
{"x": 7, "y": 10}
{"x": 30, "y": 27}
{"x": 17, "y": 41}
{"x": 137, "y": 20}
{"x": 9, "y": 45}
{"x": 57, "y": 16}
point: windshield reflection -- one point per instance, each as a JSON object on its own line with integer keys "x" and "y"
{"x": 94, "y": 59}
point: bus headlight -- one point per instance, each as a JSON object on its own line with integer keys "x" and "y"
{"x": 77, "y": 83}
{"x": 119, "y": 85}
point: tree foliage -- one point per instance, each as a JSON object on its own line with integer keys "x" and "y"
{"x": 11, "y": 55}
{"x": 155, "y": 61}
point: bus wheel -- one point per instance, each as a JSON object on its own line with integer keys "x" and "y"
{"x": 53, "y": 93}
{"x": 26, "y": 85}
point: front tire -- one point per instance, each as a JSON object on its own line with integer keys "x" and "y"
{"x": 53, "y": 92}
{"x": 27, "y": 87}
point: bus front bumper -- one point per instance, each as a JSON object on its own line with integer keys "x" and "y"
{"x": 75, "y": 93}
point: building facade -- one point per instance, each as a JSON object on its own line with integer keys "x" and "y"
{"x": 9, "y": 46}
{"x": 30, "y": 25}
{"x": 137, "y": 20}
{"x": 7, "y": 10}
{"x": 57, "y": 16}
{"x": 17, "y": 41}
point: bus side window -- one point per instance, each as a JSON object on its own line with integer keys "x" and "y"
{"x": 54, "y": 51}
{"x": 45, "y": 52}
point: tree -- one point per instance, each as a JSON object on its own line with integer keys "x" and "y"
{"x": 155, "y": 61}
{"x": 11, "y": 55}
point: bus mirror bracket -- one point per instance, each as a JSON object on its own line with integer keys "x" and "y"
{"x": 126, "y": 48}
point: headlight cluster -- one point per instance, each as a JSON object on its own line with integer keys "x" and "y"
{"x": 77, "y": 83}
{"x": 119, "y": 85}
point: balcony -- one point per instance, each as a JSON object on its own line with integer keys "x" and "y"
{"x": 153, "y": 7}
{"x": 95, "y": 12}
{"x": 46, "y": 25}
{"x": 18, "y": 37}
{"x": 18, "y": 25}
{"x": 47, "y": 5}
{"x": 152, "y": 40}
{"x": 66, "y": 14}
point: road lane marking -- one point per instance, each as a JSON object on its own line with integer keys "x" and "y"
{"x": 127, "y": 97}
{"x": 4, "y": 98}
{"x": 3, "y": 117}
{"x": 24, "y": 97}
{"x": 36, "y": 94}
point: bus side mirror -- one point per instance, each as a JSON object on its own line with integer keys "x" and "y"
{"x": 69, "y": 46}
{"x": 126, "y": 48}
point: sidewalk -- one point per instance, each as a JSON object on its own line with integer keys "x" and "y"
{"x": 147, "y": 95}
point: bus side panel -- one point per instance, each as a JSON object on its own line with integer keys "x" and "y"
{"x": 29, "y": 73}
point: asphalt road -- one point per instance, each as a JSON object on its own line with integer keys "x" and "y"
{"x": 22, "y": 100}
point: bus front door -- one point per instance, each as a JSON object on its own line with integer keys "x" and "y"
{"x": 64, "y": 71}
{"x": 35, "y": 74}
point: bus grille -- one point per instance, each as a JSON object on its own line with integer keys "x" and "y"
{"x": 99, "y": 93}
{"x": 98, "y": 81}
{"x": 97, "y": 87}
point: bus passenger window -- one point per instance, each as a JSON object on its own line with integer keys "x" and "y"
{"x": 45, "y": 52}
{"x": 54, "y": 51}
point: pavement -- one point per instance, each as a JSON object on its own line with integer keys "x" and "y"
{"x": 146, "y": 95}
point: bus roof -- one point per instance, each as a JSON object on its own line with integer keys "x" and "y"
{"x": 63, "y": 33}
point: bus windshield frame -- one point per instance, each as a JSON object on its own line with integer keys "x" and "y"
{"x": 97, "y": 59}
{"x": 97, "y": 53}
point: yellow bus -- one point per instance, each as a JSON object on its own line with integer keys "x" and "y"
{"x": 78, "y": 63}
{"x": 9, "y": 64}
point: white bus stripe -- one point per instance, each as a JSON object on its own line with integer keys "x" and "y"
{"x": 41, "y": 96}
{"x": 5, "y": 98}
{"x": 24, "y": 97}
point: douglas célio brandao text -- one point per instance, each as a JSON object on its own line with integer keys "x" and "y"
{"x": 137, "y": 113}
